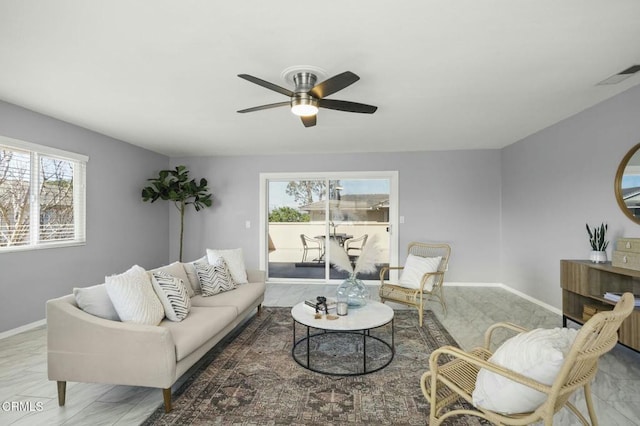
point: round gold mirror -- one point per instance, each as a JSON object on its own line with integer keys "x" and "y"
{"x": 627, "y": 184}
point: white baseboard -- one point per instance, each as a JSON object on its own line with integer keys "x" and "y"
{"x": 509, "y": 289}
{"x": 454, "y": 284}
{"x": 22, "y": 329}
{"x": 533, "y": 299}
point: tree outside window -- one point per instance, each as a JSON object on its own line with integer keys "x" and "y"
{"x": 40, "y": 202}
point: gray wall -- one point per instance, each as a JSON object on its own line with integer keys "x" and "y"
{"x": 510, "y": 215}
{"x": 556, "y": 181}
{"x": 448, "y": 196}
{"x": 121, "y": 229}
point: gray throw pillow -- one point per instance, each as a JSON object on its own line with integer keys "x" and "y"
{"x": 95, "y": 300}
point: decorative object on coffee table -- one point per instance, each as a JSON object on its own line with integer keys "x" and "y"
{"x": 598, "y": 243}
{"x": 352, "y": 290}
{"x": 174, "y": 185}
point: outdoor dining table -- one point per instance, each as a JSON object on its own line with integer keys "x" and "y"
{"x": 340, "y": 238}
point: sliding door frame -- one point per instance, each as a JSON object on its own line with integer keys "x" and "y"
{"x": 392, "y": 176}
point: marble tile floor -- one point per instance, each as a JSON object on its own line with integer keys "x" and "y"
{"x": 471, "y": 310}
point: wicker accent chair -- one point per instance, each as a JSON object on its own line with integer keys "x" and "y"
{"x": 417, "y": 297}
{"x": 445, "y": 383}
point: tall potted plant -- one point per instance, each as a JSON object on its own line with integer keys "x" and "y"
{"x": 174, "y": 185}
{"x": 598, "y": 243}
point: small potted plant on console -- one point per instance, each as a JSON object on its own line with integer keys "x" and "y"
{"x": 598, "y": 243}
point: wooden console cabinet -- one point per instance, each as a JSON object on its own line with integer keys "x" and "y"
{"x": 584, "y": 284}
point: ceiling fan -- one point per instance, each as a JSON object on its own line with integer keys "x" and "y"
{"x": 308, "y": 96}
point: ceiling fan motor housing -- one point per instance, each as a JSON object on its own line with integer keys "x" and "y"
{"x": 302, "y": 103}
{"x": 304, "y": 81}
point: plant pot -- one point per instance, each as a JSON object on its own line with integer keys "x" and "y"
{"x": 353, "y": 291}
{"x": 598, "y": 256}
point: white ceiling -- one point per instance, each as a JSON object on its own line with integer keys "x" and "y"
{"x": 449, "y": 74}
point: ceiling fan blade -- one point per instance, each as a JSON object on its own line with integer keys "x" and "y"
{"x": 308, "y": 120}
{"x": 347, "y": 106}
{"x": 266, "y": 84}
{"x": 268, "y": 106}
{"x": 333, "y": 84}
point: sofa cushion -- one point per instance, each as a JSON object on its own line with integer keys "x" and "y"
{"x": 95, "y": 300}
{"x": 240, "y": 298}
{"x": 192, "y": 275}
{"x": 133, "y": 297}
{"x": 235, "y": 262}
{"x": 176, "y": 269}
{"x": 198, "y": 327}
{"x": 172, "y": 293}
{"x": 215, "y": 278}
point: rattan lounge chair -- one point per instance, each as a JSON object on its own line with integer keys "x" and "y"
{"x": 395, "y": 292}
{"x": 444, "y": 384}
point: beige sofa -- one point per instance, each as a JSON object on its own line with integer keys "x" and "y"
{"x": 86, "y": 348}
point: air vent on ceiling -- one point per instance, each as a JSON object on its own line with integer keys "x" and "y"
{"x": 622, "y": 75}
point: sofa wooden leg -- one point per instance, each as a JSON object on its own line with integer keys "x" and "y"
{"x": 62, "y": 393}
{"x": 166, "y": 394}
{"x": 259, "y": 309}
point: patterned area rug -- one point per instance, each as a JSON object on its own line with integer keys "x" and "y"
{"x": 252, "y": 379}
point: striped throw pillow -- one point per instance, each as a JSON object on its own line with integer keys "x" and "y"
{"x": 173, "y": 294}
{"x": 215, "y": 278}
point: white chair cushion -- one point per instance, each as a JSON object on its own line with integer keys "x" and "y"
{"x": 538, "y": 354}
{"x": 235, "y": 262}
{"x": 173, "y": 295}
{"x": 133, "y": 297}
{"x": 415, "y": 267}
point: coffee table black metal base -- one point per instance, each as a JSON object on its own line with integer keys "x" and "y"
{"x": 359, "y": 338}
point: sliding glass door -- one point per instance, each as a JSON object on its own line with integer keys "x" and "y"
{"x": 305, "y": 217}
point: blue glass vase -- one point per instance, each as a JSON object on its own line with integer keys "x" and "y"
{"x": 353, "y": 291}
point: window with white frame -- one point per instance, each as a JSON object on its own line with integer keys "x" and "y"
{"x": 42, "y": 196}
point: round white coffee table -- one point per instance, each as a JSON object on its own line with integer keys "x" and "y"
{"x": 320, "y": 348}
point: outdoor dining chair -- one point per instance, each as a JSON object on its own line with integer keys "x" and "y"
{"x": 354, "y": 246}
{"x": 311, "y": 244}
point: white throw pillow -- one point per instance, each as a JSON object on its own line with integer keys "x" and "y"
{"x": 538, "y": 354}
{"x": 94, "y": 300}
{"x": 235, "y": 262}
{"x": 192, "y": 275}
{"x": 173, "y": 295}
{"x": 215, "y": 278}
{"x": 415, "y": 267}
{"x": 133, "y": 297}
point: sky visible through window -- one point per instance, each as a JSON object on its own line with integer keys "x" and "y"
{"x": 279, "y": 198}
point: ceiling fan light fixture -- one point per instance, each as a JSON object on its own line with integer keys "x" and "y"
{"x": 304, "y": 106}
